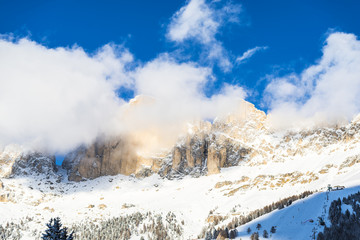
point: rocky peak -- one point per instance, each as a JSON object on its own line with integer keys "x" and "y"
{"x": 204, "y": 149}
{"x": 104, "y": 157}
{"x": 243, "y": 136}
{"x": 15, "y": 161}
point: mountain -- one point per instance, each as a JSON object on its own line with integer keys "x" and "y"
{"x": 214, "y": 175}
{"x": 15, "y": 160}
{"x": 241, "y": 137}
{"x": 204, "y": 149}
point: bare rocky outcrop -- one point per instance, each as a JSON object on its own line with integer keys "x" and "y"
{"x": 243, "y": 136}
{"x": 15, "y": 161}
{"x": 205, "y": 149}
{"x": 35, "y": 163}
{"x": 4, "y": 197}
{"x": 100, "y": 159}
{"x": 203, "y": 153}
{"x": 198, "y": 153}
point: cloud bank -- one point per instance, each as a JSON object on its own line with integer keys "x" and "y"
{"x": 326, "y": 92}
{"x": 171, "y": 95}
{"x": 57, "y": 99}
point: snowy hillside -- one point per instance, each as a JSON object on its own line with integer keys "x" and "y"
{"x": 277, "y": 165}
{"x": 300, "y": 220}
{"x": 237, "y": 190}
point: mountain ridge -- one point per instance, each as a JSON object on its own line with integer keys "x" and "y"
{"x": 253, "y": 167}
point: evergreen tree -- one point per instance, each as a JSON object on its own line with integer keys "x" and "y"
{"x": 273, "y": 229}
{"x": 320, "y": 236}
{"x": 232, "y": 234}
{"x": 254, "y": 236}
{"x": 258, "y": 226}
{"x": 64, "y": 235}
{"x": 55, "y": 231}
{"x": 265, "y": 234}
{"x": 321, "y": 221}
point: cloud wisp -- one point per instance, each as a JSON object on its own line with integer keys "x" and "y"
{"x": 249, "y": 53}
{"x": 200, "y": 21}
{"x": 324, "y": 93}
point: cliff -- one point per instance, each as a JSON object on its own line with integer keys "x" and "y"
{"x": 15, "y": 161}
{"x": 205, "y": 148}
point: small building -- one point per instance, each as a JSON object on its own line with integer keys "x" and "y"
{"x": 338, "y": 188}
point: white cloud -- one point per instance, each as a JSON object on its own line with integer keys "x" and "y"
{"x": 173, "y": 95}
{"x": 56, "y": 99}
{"x": 201, "y": 21}
{"x": 249, "y": 53}
{"x": 180, "y": 87}
{"x": 327, "y": 92}
{"x": 196, "y": 20}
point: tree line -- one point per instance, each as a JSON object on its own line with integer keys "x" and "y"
{"x": 230, "y": 232}
{"x": 343, "y": 225}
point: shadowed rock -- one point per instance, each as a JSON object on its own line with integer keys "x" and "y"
{"x": 19, "y": 162}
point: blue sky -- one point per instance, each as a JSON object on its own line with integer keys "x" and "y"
{"x": 293, "y": 31}
{"x": 69, "y": 68}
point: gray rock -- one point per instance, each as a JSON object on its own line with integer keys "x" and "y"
{"x": 100, "y": 159}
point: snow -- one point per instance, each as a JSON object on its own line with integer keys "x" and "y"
{"x": 190, "y": 199}
{"x": 268, "y": 178}
{"x": 294, "y": 222}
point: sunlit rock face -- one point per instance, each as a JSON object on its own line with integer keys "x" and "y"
{"x": 198, "y": 148}
{"x": 100, "y": 159}
{"x": 202, "y": 148}
{"x": 16, "y": 161}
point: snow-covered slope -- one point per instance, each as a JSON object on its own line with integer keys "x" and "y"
{"x": 274, "y": 166}
{"x": 236, "y": 190}
{"x": 300, "y": 220}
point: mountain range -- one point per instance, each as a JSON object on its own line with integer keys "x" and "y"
{"x": 213, "y": 173}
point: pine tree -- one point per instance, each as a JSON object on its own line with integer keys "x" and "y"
{"x": 258, "y": 226}
{"x": 64, "y": 235}
{"x": 232, "y": 234}
{"x": 254, "y": 236}
{"x": 265, "y": 234}
{"x": 56, "y": 232}
{"x": 320, "y": 236}
{"x": 321, "y": 221}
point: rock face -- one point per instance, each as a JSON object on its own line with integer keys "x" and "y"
{"x": 15, "y": 161}
{"x": 101, "y": 158}
{"x": 35, "y": 163}
{"x": 7, "y": 160}
{"x": 205, "y": 149}
{"x": 203, "y": 153}
{"x": 209, "y": 147}
{"x": 242, "y": 137}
